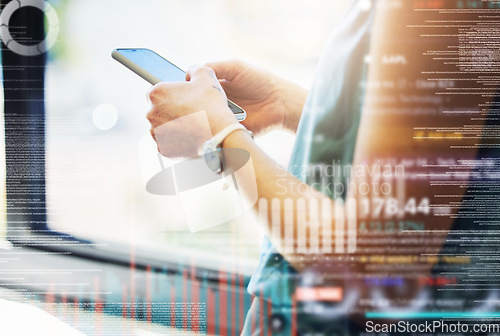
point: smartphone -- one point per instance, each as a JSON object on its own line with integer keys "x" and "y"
{"x": 154, "y": 68}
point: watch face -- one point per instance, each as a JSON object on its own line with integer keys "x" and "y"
{"x": 212, "y": 156}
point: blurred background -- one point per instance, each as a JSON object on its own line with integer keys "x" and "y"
{"x": 99, "y": 152}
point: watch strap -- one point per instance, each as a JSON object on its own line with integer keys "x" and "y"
{"x": 219, "y": 137}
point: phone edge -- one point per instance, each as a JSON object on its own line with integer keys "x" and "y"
{"x": 116, "y": 55}
{"x": 134, "y": 67}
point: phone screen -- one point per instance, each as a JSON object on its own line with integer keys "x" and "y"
{"x": 154, "y": 68}
{"x": 155, "y": 64}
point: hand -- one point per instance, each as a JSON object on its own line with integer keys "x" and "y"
{"x": 183, "y": 115}
{"x": 269, "y": 100}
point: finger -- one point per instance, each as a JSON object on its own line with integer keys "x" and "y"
{"x": 152, "y": 132}
{"x": 147, "y": 95}
{"x": 155, "y": 93}
{"x": 226, "y": 85}
{"x": 158, "y": 93}
{"x": 201, "y": 73}
{"x": 151, "y": 116}
{"x": 228, "y": 69}
{"x": 155, "y": 118}
{"x": 204, "y": 75}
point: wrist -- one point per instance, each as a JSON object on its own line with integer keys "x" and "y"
{"x": 219, "y": 121}
{"x": 212, "y": 150}
{"x": 238, "y": 140}
{"x": 293, "y": 103}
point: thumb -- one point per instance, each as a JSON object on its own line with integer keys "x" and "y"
{"x": 226, "y": 70}
{"x": 197, "y": 73}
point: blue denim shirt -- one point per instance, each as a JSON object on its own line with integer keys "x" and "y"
{"x": 326, "y": 133}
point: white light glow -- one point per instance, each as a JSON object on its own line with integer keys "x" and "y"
{"x": 105, "y": 116}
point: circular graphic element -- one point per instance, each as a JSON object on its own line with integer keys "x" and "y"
{"x": 29, "y": 50}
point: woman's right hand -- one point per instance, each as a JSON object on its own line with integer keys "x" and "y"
{"x": 270, "y": 101}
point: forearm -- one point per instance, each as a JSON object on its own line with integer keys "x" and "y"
{"x": 293, "y": 102}
{"x": 289, "y": 201}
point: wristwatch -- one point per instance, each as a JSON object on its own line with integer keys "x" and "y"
{"x": 211, "y": 150}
